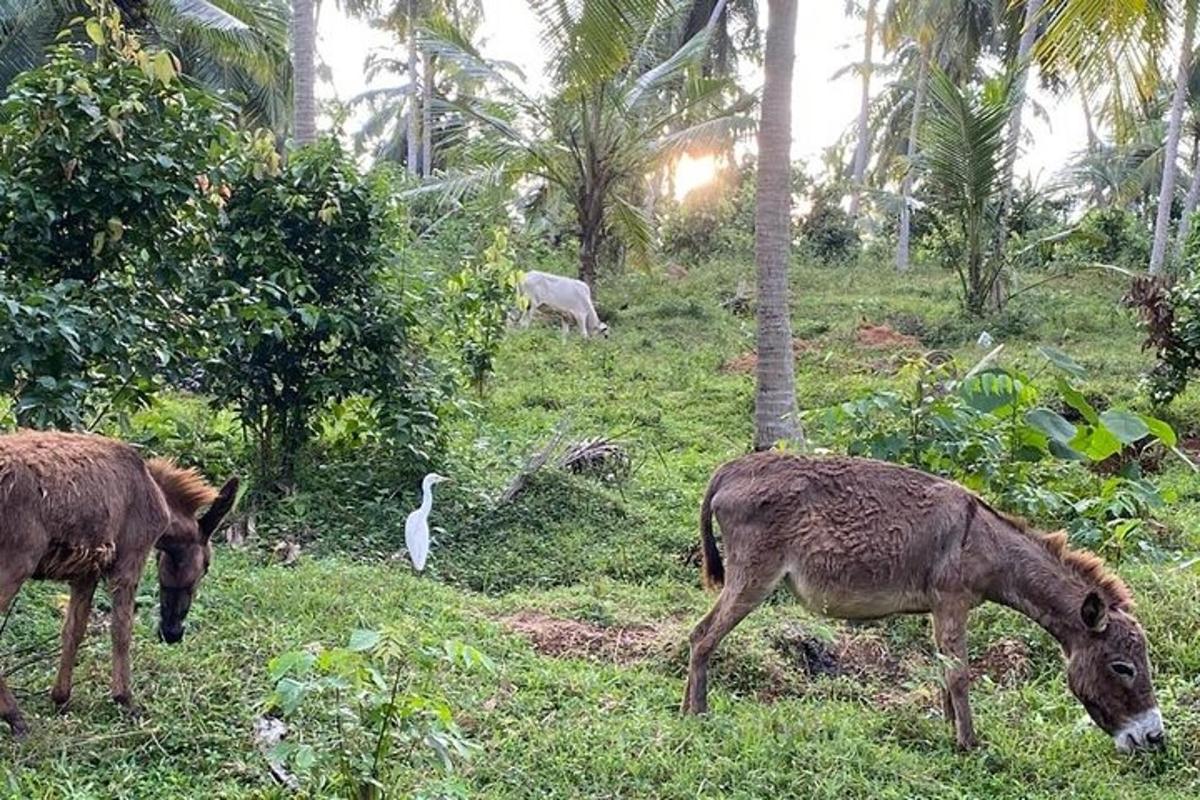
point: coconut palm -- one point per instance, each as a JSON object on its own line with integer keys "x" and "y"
{"x": 775, "y": 387}
{"x": 1166, "y": 192}
{"x": 861, "y": 152}
{"x": 603, "y": 129}
{"x": 304, "y": 71}
{"x": 964, "y": 149}
{"x": 236, "y": 46}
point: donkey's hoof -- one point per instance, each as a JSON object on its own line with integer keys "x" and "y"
{"x": 17, "y": 723}
{"x": 62, "y": 702}
{"x": 128, "y": 708}
{"x": 966, "y": 744}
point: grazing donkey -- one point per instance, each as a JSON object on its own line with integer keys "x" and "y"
{"x": 861, "y": 539}
{"x": 82, "y": 508}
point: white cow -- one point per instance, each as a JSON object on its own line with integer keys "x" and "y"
{"x": 567, "y": 297}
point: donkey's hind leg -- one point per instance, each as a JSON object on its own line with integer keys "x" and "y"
{"x": 74, "y": 628}
{"x": 9, "y": 584}
{"x": 736, "y": 600}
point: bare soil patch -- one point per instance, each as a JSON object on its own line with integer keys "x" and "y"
{"x": 884, "y": 337}
{"x": 747, "y": 362}
{"x": 568, "y": 638}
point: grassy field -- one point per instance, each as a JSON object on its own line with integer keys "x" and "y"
{"x": 582, "y": 592}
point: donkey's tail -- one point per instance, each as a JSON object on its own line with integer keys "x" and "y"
{"x": 712, "y": 572}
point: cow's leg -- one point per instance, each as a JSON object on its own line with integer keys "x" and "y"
{"x": 736, "y": 600}
{"x": 10, "y": 583}
{"x": 581, "y": 319}
{"x": 122, "y": 591}
{"x": 74, "y": 629}
{"x": 950, "y": 632}
{"x": 565, "y": 327}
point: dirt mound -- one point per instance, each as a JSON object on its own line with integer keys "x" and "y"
{"x": 1005, "y": 661}
{"x": 747, "y": 362}
{"x": 884, "y": 337}
{"x": 568, "y": 638}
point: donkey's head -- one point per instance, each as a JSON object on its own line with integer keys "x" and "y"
{"x": 1108, "y": 670}
{"x": 184, "y": 553}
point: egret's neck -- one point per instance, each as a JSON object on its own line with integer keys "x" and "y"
{"x": 427, "y": 498}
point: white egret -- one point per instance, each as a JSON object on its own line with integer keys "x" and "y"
{"x": 416, "y": 527}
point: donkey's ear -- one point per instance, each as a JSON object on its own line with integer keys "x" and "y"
{"x": 1093, "y": 613}
{"x": 220, "y": 507}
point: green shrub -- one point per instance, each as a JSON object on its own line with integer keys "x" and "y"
{"x": 106, "y": 214}
{"x": 299, "y": 317}
{"x": 1169, "y": 313}
{"x": 1109, "y": 236}
{"x": 361, "y": 722}
{"x": 827, "y": 230}
{"x": 996, "y": 432}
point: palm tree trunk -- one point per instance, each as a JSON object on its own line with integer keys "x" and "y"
{"x": 1033, "y": 8}
{"x": 426, "y": 114}
{"x": 1166, "y": 190}
{"x": 860, "y": 153}
{"x": 914, "y": 130}
{"x": 304, "y": 45}
{"x": 775, "y": 391}
{"x": 1189, "y": 208}
{"x": 413, "y": 134}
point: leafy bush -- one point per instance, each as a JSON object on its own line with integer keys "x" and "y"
{"x": 479, "y": 298}
{"x": 1109, "y": 236}
{"x": 367, "y": 727}
{"x": 715, "y": 219}
{"x": 827, "y": 230}
{"x": 994, "y": 432}
{"x": 106, "y": 212}
{"x": 300, "y": 318}
{"x": 1169, "y": 313}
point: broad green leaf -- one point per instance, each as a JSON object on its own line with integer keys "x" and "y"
{"x": 1062, "y": 361}
{"x": 1127, "y": 427}
{"x": 1097, "y": 443}
{"x": 94, "y": 31}
{"x": 1075, "y": 399}
{"x": 991, "y": 391}
{"x": 362, "y": 640}
{"x": 1052, "y": 424}
{"x": 1160, "y": 430}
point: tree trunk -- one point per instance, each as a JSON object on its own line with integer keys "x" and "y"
{"x": 304, "y": 45}
{"x": 860, "y": 153}
{"x": 413, "y": 123}
{"x": 775, "y": 391}
{"x": 1166, "y": 190}
{"x": 914, "y": 130}
{"x": 1189, "y": 208}
{"x": 1033, "y": 9}
{"x": 426, "y": 114}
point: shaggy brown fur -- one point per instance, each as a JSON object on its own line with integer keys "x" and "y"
{"x": 861, "y": 539}
{"x": 81, "y": 508}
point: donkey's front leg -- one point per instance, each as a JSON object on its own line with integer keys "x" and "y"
{"x": 74, "y": 629}
{"x": 950, "y": 631}
{"x": 10, "y": 582}
{"x": 122, "y": 592}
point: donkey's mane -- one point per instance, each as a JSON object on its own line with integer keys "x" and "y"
{"x": 186, "y": 489}
{"x": 1085, "y": 564}
{"x": 1090, "y": 567}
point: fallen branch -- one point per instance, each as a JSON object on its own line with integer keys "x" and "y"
{"x": 535, "y": 462}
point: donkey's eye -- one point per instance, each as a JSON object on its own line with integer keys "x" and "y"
{"x": 1123, "y": 669}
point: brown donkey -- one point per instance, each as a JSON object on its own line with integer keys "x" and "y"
{"x": 861, "y": 539}
{"x": 81, "y": 508}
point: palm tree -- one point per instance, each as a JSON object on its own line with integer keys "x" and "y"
{"x": 1166, "y": 190}
{"x": 1029, "y": 28}
{"x": 603, "y": 129}
{"x": 237, "y": 46}
{"x": 304, "y": 73}
{"x": 775, "y": 389}
{"x": 964, "y": 150}
{"x": 861, "y": 152}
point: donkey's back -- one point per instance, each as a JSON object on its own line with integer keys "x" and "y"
{"x": 66, "y": 500}
{"x": 855, "y": 538}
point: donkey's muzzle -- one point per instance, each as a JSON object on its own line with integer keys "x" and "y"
{"x": 171, "y": 634}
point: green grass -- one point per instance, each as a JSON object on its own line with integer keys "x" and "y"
{"x": 610, "y": 556}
